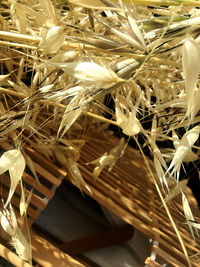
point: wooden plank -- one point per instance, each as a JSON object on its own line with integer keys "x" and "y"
{"x": 167, "y": 229}
{"x": 175, "y": 252}
{"x": 6, "y": 146}
{"x": 119, "y": 182}
{"x": 46, "y": 254}
{"x": 38, "y": 158}
{"x": 11, "y": 257}
{"x": 108, "y": 182}
{"x": 35, "y": 200}
{"x": 125, "y": 191}
{"x": 117, "y": 198}
{"x": 39, "y": 187}
{"x": 138, "y": 212}
{"x": 125, "y": 176}
{"x": 16, "y": 201}
{"x": 152, "y": 263}
{"x": 172, "y": 241}
{"x": 41, "y": 160}
{"x": 140, "y": 182}
{"x": 118, "y": 210}
{"x": 46, "y": 174}
{"x": 168, "y": 258}
{"x": 97, "y": 241}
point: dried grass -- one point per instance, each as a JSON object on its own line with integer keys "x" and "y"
{"x": 59, "y": 61}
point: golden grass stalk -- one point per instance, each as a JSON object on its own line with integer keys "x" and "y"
{"x": 61, "y": 61}
{"x": 166, "y": 208}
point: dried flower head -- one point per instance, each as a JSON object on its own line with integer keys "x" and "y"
{"x": 91, "y": 73}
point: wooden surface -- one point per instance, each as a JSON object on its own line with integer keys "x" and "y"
{"x": 44, "y": 253}
{"x": 151, "y": 263}
{"x": 48, "y": 255}
{"x": 100, "y": 240}
{"x": 11, "y": 257}
{"x": 43, "y": 191}
{"x": 128, "y": 191}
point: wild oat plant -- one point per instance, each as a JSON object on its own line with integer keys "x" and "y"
{"x": 60, "y": 59}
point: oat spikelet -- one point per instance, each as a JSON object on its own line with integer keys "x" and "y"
{"x": 53, "y": 40}
{"x": 188, "y": 214}
{"x": 91, "y": 73}
{"x": 12, "y": 161}
{"x": 191, "y": 69}
{"x": 185, "y": 145}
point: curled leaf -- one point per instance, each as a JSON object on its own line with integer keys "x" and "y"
{"x": 49, "y": 11}
{"x": 190, "y": 156}
{"x": 195, "y": 224}
{"x": 119, "y": 149}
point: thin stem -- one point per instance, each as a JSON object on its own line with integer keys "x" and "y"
{"x": 29, "y": 38}
{"x": 11, "y": 92}
{"x": 87, "y": 113}
{"x": 165, "y": 206}
{"x": 92, "y": 115}
{"x": 18, "y": 36}
{"x": 167, "y": 2}
{"x": 18, "y": 45}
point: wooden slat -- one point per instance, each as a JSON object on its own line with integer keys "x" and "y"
{"x": 12, "y": 257}
{"x": 172, "y": 240}
{"x": 39, "y": 187}
{"x": 175, "y": 252}
{"x": 35, "y": 200}
{"x": 168, "y": 257}
{"x": 100, "y": 240}
{"x": 37, "y": 157}
{"x": 152, "y": 263}
{"x": 129, "y": 192}
{"x": 48, "y": 255}
{"x": 44, "y": 172}
{"x": 47, "y": 175}
{"x": 118, "y": 210}
{"x": 5, "y": 146}
{"x": 131, "y": 206}
{"x": 43, "y": 252}
{"x": 125, "y": 177}
{"x": 115, "y": 187}
{"x": 16, "y": 201}
{"x": 135, "y": 211}
{"x": 120, "y": 183}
